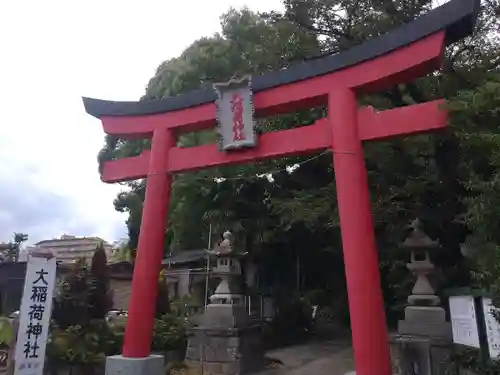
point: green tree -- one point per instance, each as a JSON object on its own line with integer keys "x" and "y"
{"x": 476, "y": 114}
{"x": 10, "y": 251}
{"x": 122, "y": 252}
{"x": 80, "y": 333}
{"x": 248, "y": 44}
{"x": 84, "y": 294}
{"x": 426, "y": 176}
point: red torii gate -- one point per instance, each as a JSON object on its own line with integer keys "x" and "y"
{"x": 397, "y": 57}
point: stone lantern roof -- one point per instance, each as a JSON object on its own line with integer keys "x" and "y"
{"x": 226, "y": 247}
{"x": 418, "y": 239}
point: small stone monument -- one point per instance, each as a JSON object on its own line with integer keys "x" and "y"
{"x": 422, "y": 343}
{"x": 227, "y": 340}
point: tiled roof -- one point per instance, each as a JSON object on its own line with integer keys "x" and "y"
{"x": 185, "y": 256}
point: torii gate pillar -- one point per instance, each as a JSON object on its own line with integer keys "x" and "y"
{"x": 151, "y": 246}
{"x": 366, "y": 304}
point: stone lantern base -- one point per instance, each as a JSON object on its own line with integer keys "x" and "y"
{"x": 425, "y": 320}
{"x": 419, "y": 354}
{"x": 225, "y": 351}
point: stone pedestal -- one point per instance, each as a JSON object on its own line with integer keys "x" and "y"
{"x": 119, "y": 365}
{"x": 227, "y": 351}
{"x": 225, "y": 316}
{"x": 412, "y": 354}
{"x": 462, "y": 371}
{"x": 425, "y": 321}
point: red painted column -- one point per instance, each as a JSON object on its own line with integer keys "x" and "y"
{"x": 366, "y": 305}
{"x": 142, "y": 304}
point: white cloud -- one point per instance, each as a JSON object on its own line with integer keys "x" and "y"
{"x": 52, "y": 53}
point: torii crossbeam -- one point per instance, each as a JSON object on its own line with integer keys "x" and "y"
{"x": 334, "y": 81}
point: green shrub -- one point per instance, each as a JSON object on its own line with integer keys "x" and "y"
{"x": 6, "y": 330}
{"x": 80, "y": 333}
{"x": 169, "y": 333}
{"x": 470, "y": 359}
{"x": 78, "y": 345}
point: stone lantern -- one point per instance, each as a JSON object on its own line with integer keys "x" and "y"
{"x": 227, "y": 341}
{"x": 420, "y": 245}
{"x": 422, "y": 344}
{"x": 227, "y": 304}
{"x": 423, "y": 315}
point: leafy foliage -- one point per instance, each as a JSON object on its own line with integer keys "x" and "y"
{"x": 82, "y": 345}
{"x": 122, "y": 252}
{"x": 162, "y": 298}
{"x": 248, "y": 44}
{"x": 6, "y": 331}
{"x": 169, "y": 333}
{"x": 476, "y": 115}
{"x": 470, "y": 359}
{"x": 79, "y": 332}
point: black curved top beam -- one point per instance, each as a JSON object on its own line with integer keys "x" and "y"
{"x": 457, "y": 18}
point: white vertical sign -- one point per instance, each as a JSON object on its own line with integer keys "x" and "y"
{"x": 464, "y": 321}
{"x": 492, "y": 328}
{"x": 36, "y": 308}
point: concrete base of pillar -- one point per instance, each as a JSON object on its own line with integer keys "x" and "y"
{"x": 119, "y": 365}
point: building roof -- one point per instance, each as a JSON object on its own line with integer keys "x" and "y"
{"x": 186, "y": 256}
{"x": 67, "y": 238}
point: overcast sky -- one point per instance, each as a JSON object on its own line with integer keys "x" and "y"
{"x": 54, "y": 52}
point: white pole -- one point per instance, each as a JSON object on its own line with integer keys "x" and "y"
{"x": 207, "y": 271}
{"x": 298, "y": 270}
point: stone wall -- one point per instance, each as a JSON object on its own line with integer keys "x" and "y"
{"x": 121, "y": 293}
{"x": 120, "y": 283}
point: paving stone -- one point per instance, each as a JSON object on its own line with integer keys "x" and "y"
{"x": 326, "y": 358}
